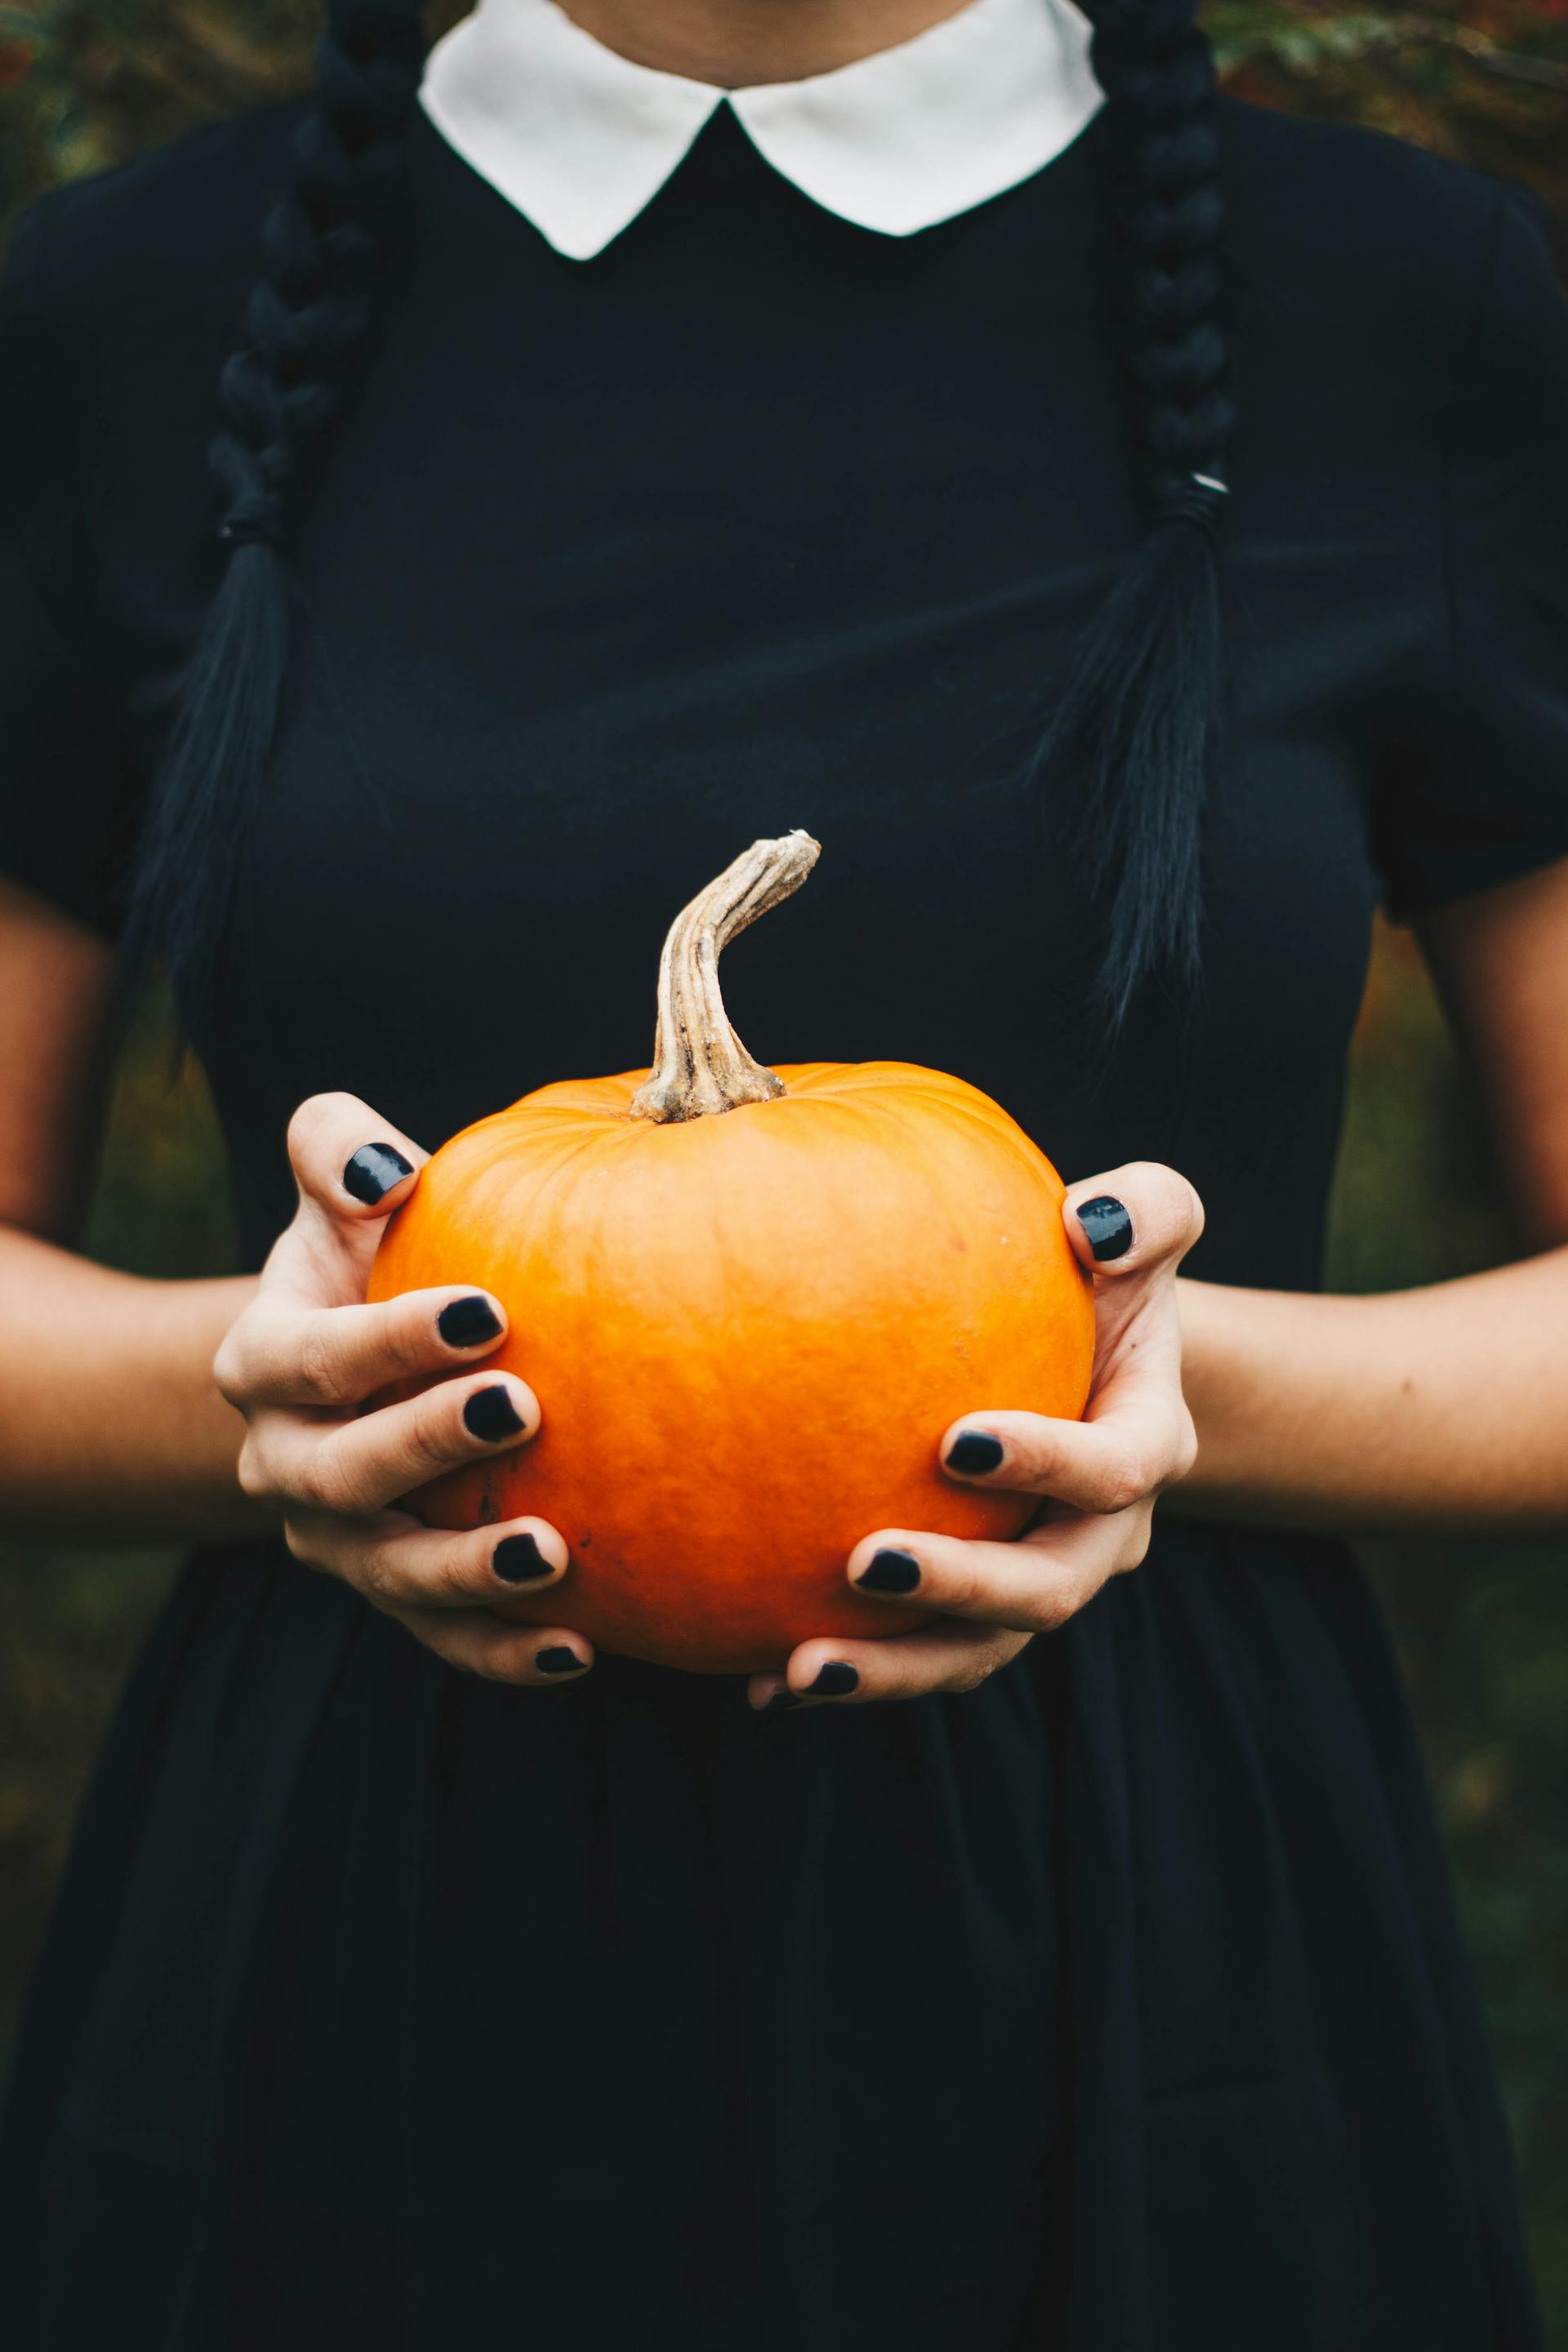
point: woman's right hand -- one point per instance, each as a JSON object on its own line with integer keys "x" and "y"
{"x": 306, "y": 1353}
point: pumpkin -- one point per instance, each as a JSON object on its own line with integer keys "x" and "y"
{"x": 750, "y": 1303}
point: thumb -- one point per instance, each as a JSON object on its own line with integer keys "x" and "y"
{"x": 348, "y": 1162}
{"x": 1142, "y": 1219}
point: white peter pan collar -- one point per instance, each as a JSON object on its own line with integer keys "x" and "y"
{"x": 580, "y": 139}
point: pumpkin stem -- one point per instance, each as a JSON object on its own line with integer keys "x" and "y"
{"x": 699, "y": 1066}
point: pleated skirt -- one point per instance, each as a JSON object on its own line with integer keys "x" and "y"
{"x": 1118, "y": 2007}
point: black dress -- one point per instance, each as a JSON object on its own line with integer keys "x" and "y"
{"x": 1118, "y": 2007}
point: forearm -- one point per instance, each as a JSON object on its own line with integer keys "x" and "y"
{"x": 110, "y": 1425}
{"x": 1445, "y": 1406}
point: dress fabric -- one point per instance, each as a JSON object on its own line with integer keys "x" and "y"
{"x": 1117, "y": 2007}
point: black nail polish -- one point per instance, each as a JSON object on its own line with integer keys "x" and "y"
{"x": 780, "y": 1702}
{"x": 517, "y": 1560}
{"x": 1107, "y": 1226}
{"x": 372, "y": 1171}
{"x": 836, "y": 1681}
{"x": 490, "y": 1413}
{"x": 891, "y": 1571}
{"x": 560, "y": 1661}
{"x": 974, "y": 1451}
{"x": 467, "y": 1322}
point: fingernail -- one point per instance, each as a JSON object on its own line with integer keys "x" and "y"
{"x": 517, "y": 1560}
{"x": 372, "y": 1171}
{"x": 468, "y": 1322}
{"x": 974, "y": 1451}
{"x": 490, "y": 1413}
{"x": 780, "y": 1702}
{"x": 561, "y": 1660}
{"x": 836, "y": 1680}
{"x": 890, "y": 1572}
{"x": 1107, "y": 1226}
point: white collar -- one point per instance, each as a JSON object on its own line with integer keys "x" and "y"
{"x": 581, "y": 139}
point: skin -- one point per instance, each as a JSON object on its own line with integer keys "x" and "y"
{"x": 1444, "y": 1405}
{"x": 763, "y": 41}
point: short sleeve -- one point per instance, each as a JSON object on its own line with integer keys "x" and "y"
{"x": 68, "y": 790}
{"x": 1479, "y": 791}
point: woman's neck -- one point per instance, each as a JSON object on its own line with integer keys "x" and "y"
{"x": 740, "y": 44}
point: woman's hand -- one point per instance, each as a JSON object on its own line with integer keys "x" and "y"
{"x": 1102, "y": 1476}
{"x": 307, "y": 1352}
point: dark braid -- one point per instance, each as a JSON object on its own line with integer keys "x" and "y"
{"x": 1134, "y": 740}
{"x": 311, "y": 303}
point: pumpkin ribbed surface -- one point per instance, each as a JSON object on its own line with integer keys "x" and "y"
{"x": 747, "y": 1334}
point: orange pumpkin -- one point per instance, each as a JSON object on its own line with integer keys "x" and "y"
{"x": 750, "y": 1303}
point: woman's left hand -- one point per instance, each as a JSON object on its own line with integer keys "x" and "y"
{"x": 1100, "y": 1475}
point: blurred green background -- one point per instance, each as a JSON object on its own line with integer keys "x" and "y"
{"x": 1483, "y": 1628}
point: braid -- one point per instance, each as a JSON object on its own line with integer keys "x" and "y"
{"x": 311, "y": 304}
{"x": 1138, "y": 726}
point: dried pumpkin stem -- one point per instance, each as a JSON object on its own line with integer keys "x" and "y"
{"x": 699, "y": 1066}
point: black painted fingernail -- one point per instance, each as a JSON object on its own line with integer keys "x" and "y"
{"x": 890, "y": 1572}
{"x": 780, "y": 1702}
{"x": 974, "y": 1451}
{"x": 468, "y": 1322}
{"x": 490, "y": 1413}
{"x": 836, "y": 1681}
{"x": 517, "y": 1560}
{"x": 1107, "y": 1226}
{"x": 372, "y": 1171}
{"x": 561, "y": 1660}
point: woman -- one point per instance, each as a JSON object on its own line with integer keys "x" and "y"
{"x": 608, "y": 472}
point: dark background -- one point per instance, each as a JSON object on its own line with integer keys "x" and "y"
{"x": 1483, "y": 1627}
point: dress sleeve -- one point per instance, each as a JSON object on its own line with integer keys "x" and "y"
{"x": 69, "y": 792}
{"x": 1479, "y": 793}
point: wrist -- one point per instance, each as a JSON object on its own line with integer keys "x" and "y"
{"x": 1222, "y": 1370}
{"x": 186, "y": 1485}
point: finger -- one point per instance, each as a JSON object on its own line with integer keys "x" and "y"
{"x": 538, "y": 1657}
{"x": 348, "y": 1160}
{"x": 400, "y": 1565}
{"x": 949, "y": 1656}
{"x": 1136, "y": 1220}
{"x": 1106, "y": 1464}
{"x": 354, "y": 1468}
{"x": 283, "y": 1353}
{"x": 1031, "y": 1587}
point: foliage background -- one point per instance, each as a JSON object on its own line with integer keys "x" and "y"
{"x": 1483, "y": 1628}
